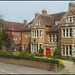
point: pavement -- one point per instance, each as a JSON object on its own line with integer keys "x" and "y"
{"x": 6, "y": 68}
{"x": 69, "y": 66}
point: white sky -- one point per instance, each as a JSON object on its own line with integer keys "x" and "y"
{"x": 17, "y": 11}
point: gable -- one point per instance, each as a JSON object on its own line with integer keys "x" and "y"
{"x": 38, "y": 18}
{"x": 70, "y": 12}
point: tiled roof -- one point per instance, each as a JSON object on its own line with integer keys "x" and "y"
{"x": 26, "y": 29}
{"x": 13, "y": 26}
{"x": 48, "y": 20}
{"x": 58, "y": 16}
{"x": 53, "y": 29}
{"x": 31, "y": 22}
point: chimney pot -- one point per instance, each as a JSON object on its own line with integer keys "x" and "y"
{"x": 44, "y": 12}
{"x": 25, "y": 22}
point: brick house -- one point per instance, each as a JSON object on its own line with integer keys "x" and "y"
{"x": 26, "y": 37}
{"x": 67, "y": 26}
{"x": 42, "y": 32}
{"x": 12, "y": 33}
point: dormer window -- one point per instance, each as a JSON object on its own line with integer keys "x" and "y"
{"x": 38, "y": 23}
{"x": 56, "y": 22}
{"x": 70, "y": 19}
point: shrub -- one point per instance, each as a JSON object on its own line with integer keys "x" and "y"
{"x": 26, "y": 56}
{"x": 24, "y": 53}
{"x": 73, "y": 58}
{"x": 41, "y": 50}
{"x": 38, "y": 54}
{"x": 56, "y": 53}
{"x": 16, "y": 53}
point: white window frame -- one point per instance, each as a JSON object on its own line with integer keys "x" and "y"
{"x": 41, "y": 33}
{"x": 26, "y": 35}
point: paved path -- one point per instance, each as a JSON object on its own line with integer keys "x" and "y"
{"x": 6, "y": 68}
{"x": 69, "y": 66}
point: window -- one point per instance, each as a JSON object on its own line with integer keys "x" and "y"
{"x": 50, "y": 37}
{"x": 63, "y": 49}
{"x": 26, "y": 35}
{"x": 66, "y": 49}
{"x": 53, "y": 37}
{"x": 32, "y": 33}
{"x": 34, "y": 47}
{"x": 74, "y": 32}
{"x": 66, "y": 32}
{"x": 15, "y": 38}
{"x": 63, "y": 32}
{"x": 70, "y": 32}
{"x": 56, "y": 22}
{"x": 56, "y": 37}
{"x": 35, "y": 34}
{"x": 23, "y": 46}
{"x": 70, "y": 48}
{"x": 40, "y": 45}
{"x": 67, "y": 19}
{"x": 74, "y": 50}
{"x": 70, "y": 19}
{"x": 40, "y": 33}
{"x": 73, "y": 19}
{"x": 38, "y": 23}
{"x": 20, "y": 38}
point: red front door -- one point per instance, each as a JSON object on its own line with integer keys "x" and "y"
{"x": 47, "y": 52}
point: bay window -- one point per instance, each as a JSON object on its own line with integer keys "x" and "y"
{"x": 70, "y": 32}
{"x": 41, "y": 33}
{"x": 53, "y": 37}
{"x": 63, "y": 32}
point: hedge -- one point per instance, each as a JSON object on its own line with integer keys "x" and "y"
{"x": 31, "y": 58}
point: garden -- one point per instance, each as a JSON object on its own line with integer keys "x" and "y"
{"x": 31, "y": 56}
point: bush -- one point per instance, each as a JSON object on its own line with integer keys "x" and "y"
{"x": 56, "y": 53}
{"x": 73, "y": 59}
{"x": 16, "y": 53}
{"x": 41, "y": 50}
{"x": 26, "y": 56}
{"x": 38, "y": 54}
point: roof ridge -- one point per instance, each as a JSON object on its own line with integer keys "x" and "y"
{"x": 57, "y": 13}
{"x": 13, "y": 22}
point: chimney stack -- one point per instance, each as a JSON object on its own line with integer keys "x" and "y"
{"x": 72, "y": 5}
{"x": 44, "y": 12}
{"x": 25, "y": 22}
{"x": 36, "y": 14}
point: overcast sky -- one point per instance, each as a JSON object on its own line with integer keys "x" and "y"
{"x": 17, "y": 11}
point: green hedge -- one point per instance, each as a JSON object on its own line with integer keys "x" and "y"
{"x": 31, "y": 58}
{"x": 73, "y": 58}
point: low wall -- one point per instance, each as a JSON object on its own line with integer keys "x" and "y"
{"x": 36, "y": 64}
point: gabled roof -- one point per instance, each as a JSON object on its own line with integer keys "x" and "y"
{"x": 24, "y": 29}
{"x": 53, "y": 29}
{"x": 48, "y": 20}
{"x": 13, "y": 26}
{"x": 51, "y": 18}
{"x": 58, "y": 16}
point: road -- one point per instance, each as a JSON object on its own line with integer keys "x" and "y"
{"x": 6, "y": 68}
